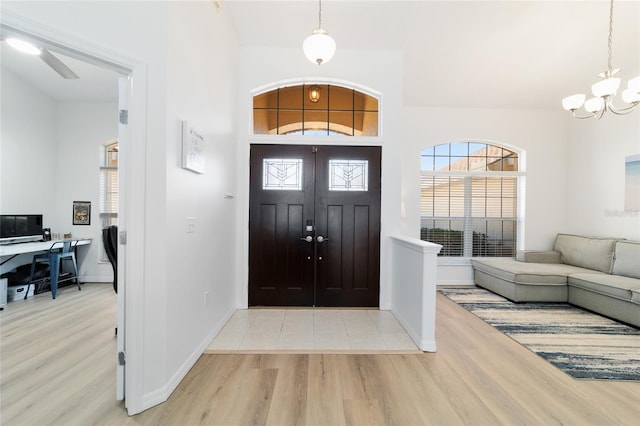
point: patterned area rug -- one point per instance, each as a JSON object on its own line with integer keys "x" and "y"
{"x": 580, "y": 343}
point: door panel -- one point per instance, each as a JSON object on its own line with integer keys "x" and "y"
{"x": 348, "y": 264}
{"x": 340, "y": 266}
{"x": 280, "y": 263}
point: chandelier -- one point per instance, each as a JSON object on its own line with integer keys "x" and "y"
{"x": 319, "y": 47}
{"x": 604, "y": 90}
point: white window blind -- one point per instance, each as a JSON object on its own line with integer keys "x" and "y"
{"x": 109, "y": 194}
{"x": 469, "y": 199}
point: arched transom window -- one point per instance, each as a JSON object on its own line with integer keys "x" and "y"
{"x": 469, "y": 198}
{"x": 315, "y": 109}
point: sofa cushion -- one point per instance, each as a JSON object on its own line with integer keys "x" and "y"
{"x": 635, "y": 295}
{"x": 526, "y": 273}
{"x": 626, "y": 259}
{"x": 538, "y": 256}
{"x": 586, "y": 252}
{"x": 610, "y": 285}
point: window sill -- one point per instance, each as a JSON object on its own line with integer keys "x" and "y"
{"x": 460, "y": 261}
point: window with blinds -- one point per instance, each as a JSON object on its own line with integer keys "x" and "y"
{"x": 108, "y": 189}
{"x": 468, "y": 199}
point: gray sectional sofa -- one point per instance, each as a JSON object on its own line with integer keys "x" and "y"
{"x": 599, "y": 274}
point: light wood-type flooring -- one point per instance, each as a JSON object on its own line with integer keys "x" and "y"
{"x": 58, "y": 367}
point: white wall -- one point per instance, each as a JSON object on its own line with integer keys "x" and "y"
{"x": 182, "y": 80}
{"x": 541, "y": 135}
{"x": 346, "y": 68}
{"x": 201, "y": 88}
{"x": 27, "y": 150}
{"x": 595, "y": 173}
{"x": 81, "y": 129}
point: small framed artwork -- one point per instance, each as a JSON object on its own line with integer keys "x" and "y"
{"x": 192, "y": 149}
{"x": 82, "y": 212}
{"x": 632, "y": 183}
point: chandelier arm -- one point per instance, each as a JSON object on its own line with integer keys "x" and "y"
{"x": 623, "y": 110}
{"x": 598, "y": 115}
{"x": 581, "y": 117}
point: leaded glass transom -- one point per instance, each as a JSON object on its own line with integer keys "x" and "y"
{"x": 337, "y": 111}
{"x": 348, "y": 175}
{"x": 283, "y": 174}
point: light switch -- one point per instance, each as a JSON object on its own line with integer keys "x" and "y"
{"x": 191, "y": 225}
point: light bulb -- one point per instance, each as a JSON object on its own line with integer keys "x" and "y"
{"x": 630, "y": 96}
{"x": 594, "y": 105}
{"x": 23, "y": 46}
{"x": 573, "y": 102}
{"x": 606, "y": 87}
{"x": 634, "y": 84}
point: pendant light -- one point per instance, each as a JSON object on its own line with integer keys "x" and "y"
{"x": 314, "y": 93}
{"x": 319, "y": 47}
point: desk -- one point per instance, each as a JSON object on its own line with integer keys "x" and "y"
{"x": 14, "y": 250}
{"x": 14, "y": 255}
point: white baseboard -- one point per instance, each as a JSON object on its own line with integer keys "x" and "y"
{"x": 162, "y": 394}
{"x": 423, "y": 345}
{"x": 453, "y": 283}
{"x": 95, "y": 279}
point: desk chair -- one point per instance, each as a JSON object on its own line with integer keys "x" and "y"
{"x": 110, "y": 242}
{"x": 55, "y": 258}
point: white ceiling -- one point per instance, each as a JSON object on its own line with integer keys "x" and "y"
{"x": 500, "y": 54}
{"x": 94, "y": 84}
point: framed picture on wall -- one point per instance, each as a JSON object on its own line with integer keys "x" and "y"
{"x": 632, "y": 183}
{"x": 192, "y": 149}
{"x": 82, "y": 212}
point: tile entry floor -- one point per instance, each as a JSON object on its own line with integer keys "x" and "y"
{"x": 312, "y": 330}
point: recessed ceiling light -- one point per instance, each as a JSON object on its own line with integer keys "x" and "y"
{"x": 23, "y": 46}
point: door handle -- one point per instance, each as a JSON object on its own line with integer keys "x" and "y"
{"x": 321, "y": 239}
{"x": 308, "y": 238}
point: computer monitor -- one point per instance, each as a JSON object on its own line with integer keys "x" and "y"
{"x": 20, "y": 227}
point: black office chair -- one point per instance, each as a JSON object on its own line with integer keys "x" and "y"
{"x": 110, "y": 242}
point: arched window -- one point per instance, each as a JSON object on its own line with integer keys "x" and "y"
{"x": 313, "y": 109}
{"x": 469, "y": 199}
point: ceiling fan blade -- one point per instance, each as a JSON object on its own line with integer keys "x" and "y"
{"x": 57, "y": 65}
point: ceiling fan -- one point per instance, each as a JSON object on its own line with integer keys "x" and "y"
{"x": 56, "y": 64}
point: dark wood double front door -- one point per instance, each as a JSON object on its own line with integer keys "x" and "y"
{"x": 314, "y": 226}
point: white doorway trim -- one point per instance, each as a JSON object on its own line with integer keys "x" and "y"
{"x": 133, "y": 207}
